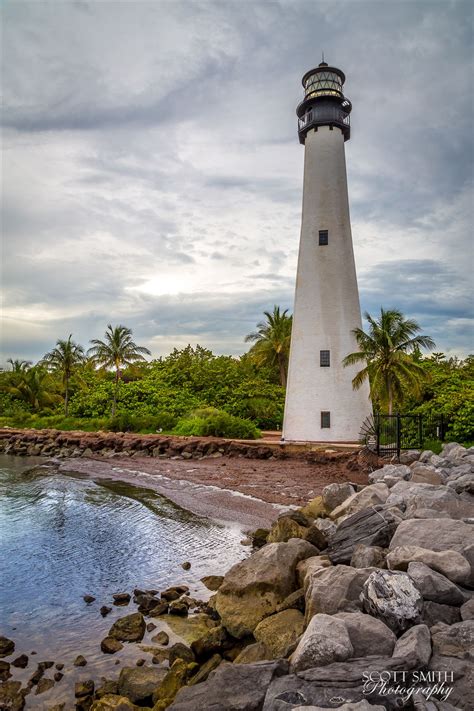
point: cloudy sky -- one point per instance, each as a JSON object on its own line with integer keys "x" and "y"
{"x": 152, "y": 174}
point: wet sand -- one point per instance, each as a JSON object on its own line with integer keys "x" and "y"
{"x": 248, "y": 492}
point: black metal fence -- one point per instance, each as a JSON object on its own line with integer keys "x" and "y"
{"x": 388, "y": 435}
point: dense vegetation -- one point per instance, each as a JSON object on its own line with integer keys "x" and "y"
{"x": 194, "y": 392}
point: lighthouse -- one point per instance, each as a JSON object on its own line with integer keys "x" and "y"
{"x": 321, "y": 404}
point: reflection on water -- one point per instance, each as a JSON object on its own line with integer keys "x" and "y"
{"x": 62, "y": 537}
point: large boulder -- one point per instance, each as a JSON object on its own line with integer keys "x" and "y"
{"x": 324, "y": 641}
{"x": 335, "y": 494}
{"x": 368, "y": 634}
{"x": 280, "y": 632}
{"x": 285, "y": 528}
{"x": 434, "y": 586}
{"x": 434, "y": 612}
{"x": 306, "y": 568}
{"x": 449, "y": 563}
{"x": 436, "y": 534}
{"x": 254, "y": 588}
{"x": 372, "y": 527}
{"x": 368, "y": 496}
{"x": 390, "y": 474}
{"x": 335, "y": 589}
{"x": 426, "y": 474}
{"x": 427, "y": 496}
{"x": 414, "y": 646}
{"x": 139, "y": 683}
{"x": 454, "y": 640}
{"x": 231, "y": 687}
{"x": 393, "y": 598}
{"x": 113, "y": 702}
{"x": 368, "y": 556}
{"x": 130, "y": 628}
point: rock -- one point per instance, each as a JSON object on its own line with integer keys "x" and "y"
{"x": 4, "y": 671}
{"x": 108, "y": 687}
{"x": 178, "y": 607}
{"x": 140, "y": 662}
{"x": 453, "y": 450}
{"x": 11, "y": 698}
{"x": 280, "y": 632}
{"x": 335, "y": 494}
{"x": 58, "y": 676}
{"x": 104, "y": 610}
{"x": 424, "y": 474}
{"x": 324, "y": 641}
{"x": 186, "y": 565}
{"x": 325, "y": 525}
{"x": 434, "y": 586}
{"x": 128, "y": 629}
{"x": 146, "y": 602}
{"x": 433, "y": 613}
{"x": 454, "y": 640}
{"x": 44, "y": 685}
{"x": 212, "y": 582}
{"x": 7, "y": 646}
{"x": 121, "y": 598}
{"x": 391, "y": 472}
{"x": 467, "y": 610}
{"x": 83, "y": 688}
{"x": 160, "y": 609}
{"x": 80, "y": 661}
{"x": 369, "y": 496}
{"x": 294, "y": 601}
{"x": 409, "y": 456}
{"x": 318, "y": 538}
{"x": 359, "y": 706}
{"x": 314, "y": 508}
{"x": 161, "y": 638}
{"x": 414, "y": 646}
{"x": 174, "y": 592}
{"x": 113, "y": 702}
{"x": 180, "y": 651}
{"x": 259, "y": 538}
{"x": 21, "y": 662}
{"x": 231, "y": 687}
{"x": 451, "y": 564}
{"x": 252, "y": 653}
{"x": 209, "y": 643}
{"x": 372, "y": 527}
{"x": 462, "y": 670}
{"x": 150, "y": 627}
{"x": 462, "y": 484}
{"x": 285, "y": 528}
{"x": 368, "y": 634}
{"x": 306, "y": 568}
{"x": 138, "y": 684}
{"x": 45, "y": 665}
{"x": 368, "y": 556}
{"x": 205, "y": 669}
{"x": 88, "y": 598}
{"x": 298, "y": 516}
{"x": 392, "y": 598}
{"x": 110, "y": 645}
{"x": 176, "y": 677}
{"x": 255, "y": 587}
{"x": 335, "y": 589}
{"x": 427, "y": 496}
{"x": 434, "y": 534}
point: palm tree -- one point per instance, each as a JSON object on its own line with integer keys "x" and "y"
{"x": 65, "y": 358}
{"x": 116, "y": 351}
{"x": 385, "y": 350}
{"x": 19, "y": 366}
{"x": 272, "y": 341}
{"x": 34, "y": 387}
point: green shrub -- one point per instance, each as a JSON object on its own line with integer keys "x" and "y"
{"x": 209, "y": 422}
{"x": 126, "y": 422}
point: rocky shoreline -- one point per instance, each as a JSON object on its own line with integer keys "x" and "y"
{"x": 361, "y": 599}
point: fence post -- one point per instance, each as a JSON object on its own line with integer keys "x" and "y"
{"x": 398, "y": 435}
{"x": 420, "y": 431}
{"x": 377, "y": 433}
{"x": 441, "y": 428}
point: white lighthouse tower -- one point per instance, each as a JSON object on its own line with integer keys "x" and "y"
{"x": 321, "y": 405}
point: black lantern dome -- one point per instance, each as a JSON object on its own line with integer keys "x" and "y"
{"x": 324, "y": 103}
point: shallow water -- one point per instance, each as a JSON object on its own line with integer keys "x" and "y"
{"x": 62, "y": 537}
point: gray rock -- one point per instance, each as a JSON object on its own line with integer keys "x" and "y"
{"x": 369, "y": 496}
{"x": 453, "y": 450}
{"x": 433, "y": 613}
{"x": 139, "y": 683}
{"x": 425, "y": 456}
{"x": 395, "y": 472}
{"x": 109, "y": 645}
{"x": 254, "y": 588}
{"x": 180, "y": 651}
{"x": 253, "y": 653}
{"x": 427, "y": 496}
{"x": 335, "y": 589}
{"x": 464, "y": 483}
{"x": 449, "y": 563}
{"x": 425, "y": 474}
{"x": 324, "y": 641}
{"x": 368, "y": 556}
{"x": 467, "y": 610}
{"x": 280, "y": 632}
{"x": 325, "y": 525}
{"x": 454, "y": 640}
{"x": 414, "y": 646}
{"x": 393, "y": 598}
{"x": 334, "y": 494}
{"x": 367, "y": 634}
{"x": 463, "y": 672}
{"x": 306, "y": 568}
{"x": 358, "y": 706}
{"x": 409, "y": 456}
{"x": 435, "y": 534}
{"x": 372, "y": 527}
{"x": 434, "y": 586}
{"x": 231, "y": 687}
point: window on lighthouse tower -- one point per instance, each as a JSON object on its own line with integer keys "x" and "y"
{"x": 325, "y": 420}
{"x": 323, "y": 237}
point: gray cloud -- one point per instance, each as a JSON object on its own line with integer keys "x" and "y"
{"x": 153, "y": 174}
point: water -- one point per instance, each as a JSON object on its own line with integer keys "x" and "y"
{"x": 62, "y": 537}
